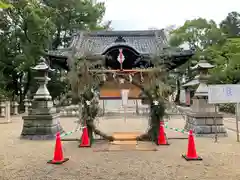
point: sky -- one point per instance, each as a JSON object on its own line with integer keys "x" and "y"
{"x": 145, "y": 14}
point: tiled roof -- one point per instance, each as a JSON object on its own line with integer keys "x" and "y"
{"x": 144, "y": 42}
{"x": 203, "y": 64}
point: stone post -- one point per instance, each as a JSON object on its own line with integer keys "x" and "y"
{"x": 26, "y": 105}
{"x": 15, "y": 107}
{"x": 42, "y": 121}
{"x": 8, "y": 111}
{"x": 2, "y": 106}
{"x": 5, "y": 111}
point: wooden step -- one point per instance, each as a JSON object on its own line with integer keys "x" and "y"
{"x": 139, "y": 147}
{"x": 124, "y": 142}
{"x": 121, "y": 147}
{"x": 126, "y": 135}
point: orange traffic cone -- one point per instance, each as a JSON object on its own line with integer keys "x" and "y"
{"x": 191, "y": 153}
{"x": 161, "y": 135}
{"x": 85, "y": 142}
{"x": 58, "y": 153}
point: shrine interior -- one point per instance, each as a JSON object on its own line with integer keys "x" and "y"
{"x": 132, "y": 59}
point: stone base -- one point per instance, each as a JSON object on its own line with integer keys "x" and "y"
{"x": 205, "y": 123}
{"x": 41, "y": 127}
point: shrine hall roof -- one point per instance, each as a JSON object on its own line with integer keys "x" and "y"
{"x": 144, "y": 42}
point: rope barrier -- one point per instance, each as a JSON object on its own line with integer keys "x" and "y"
{"x": 183, "y": 131}
{"x": 71, "y": 132}
{"x": 177, "y": 129}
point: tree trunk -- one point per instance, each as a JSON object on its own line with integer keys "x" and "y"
{"x": 93, "y": 128}
{"x": 150, "y": 135}
{"x": 177, "y": 99}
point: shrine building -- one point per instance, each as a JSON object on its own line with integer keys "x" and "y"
{"x": 127, "y": 50}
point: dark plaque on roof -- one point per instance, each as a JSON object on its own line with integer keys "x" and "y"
{"x": 120, "y": 40}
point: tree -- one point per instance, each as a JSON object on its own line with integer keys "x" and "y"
{"x": 227, "y": 66}
{"x": 71, "y": 16}
{"x": 30, "y": 27}
{"x": 4, "y": 5}
{"x": 26, "y": 32}
{"x": 197, "y": 34}
{"x": 231, "y": 25}
{"x": 226, "y": 60}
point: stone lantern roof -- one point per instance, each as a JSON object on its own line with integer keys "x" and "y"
{"x": 203, "y": 64}
{"x": 42, "y": 65}
{"x": 202, "y": 90}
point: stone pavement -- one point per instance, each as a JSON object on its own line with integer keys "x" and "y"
{"x": 177, "y": 121}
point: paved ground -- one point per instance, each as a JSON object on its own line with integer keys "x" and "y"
{"x": 26, "y": 160}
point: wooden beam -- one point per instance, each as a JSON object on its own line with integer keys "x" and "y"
{"x": 124, "y": 70}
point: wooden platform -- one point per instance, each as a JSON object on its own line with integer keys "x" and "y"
{"x": 141, "y": 146}
{"x": 126, "y": 141}
{"x": 126, "y": 136}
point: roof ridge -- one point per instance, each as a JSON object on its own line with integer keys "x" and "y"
{"x": 122, "y": 33}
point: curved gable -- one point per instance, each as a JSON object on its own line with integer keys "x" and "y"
{"x": 120, "y": 45}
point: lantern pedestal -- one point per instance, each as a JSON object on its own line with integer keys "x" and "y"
{"x": 42, "y": 122}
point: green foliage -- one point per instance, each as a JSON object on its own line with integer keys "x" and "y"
{"x": 197, "y": 34}
{"x": 208, "y": 40}
{"x": 157, "y": 111}
{"x": 71, "y": 16}
{"x": 90, "y": 105}
{"x": 57, "y": 86}
{"x": 4, "y": 5}
{"x": 25, "y": 35}
{"x": 80, "y": 78}
{"x": 230, "y": 108}
{"x": 231, "y": 25}
{"x": 5, "y": 94}
{"x": 220, "y": 46}
{"x": 226, "y": 60}
{"x": 31, "y": 27}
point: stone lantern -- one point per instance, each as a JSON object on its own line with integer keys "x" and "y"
{"x": 201, "y": 93}
{"x": 42, "y": 69}
{"x": 203, "y": 118}
{"x": 42, "y": 121}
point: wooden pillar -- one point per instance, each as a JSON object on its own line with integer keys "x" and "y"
{"x": 8, "y": 111}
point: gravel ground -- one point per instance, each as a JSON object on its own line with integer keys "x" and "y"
{"x": 26, "y": 160}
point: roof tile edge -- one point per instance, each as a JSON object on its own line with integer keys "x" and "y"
{"x": 121, "y": 33}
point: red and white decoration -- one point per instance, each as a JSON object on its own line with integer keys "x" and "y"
{"x": 121, "y": 57}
